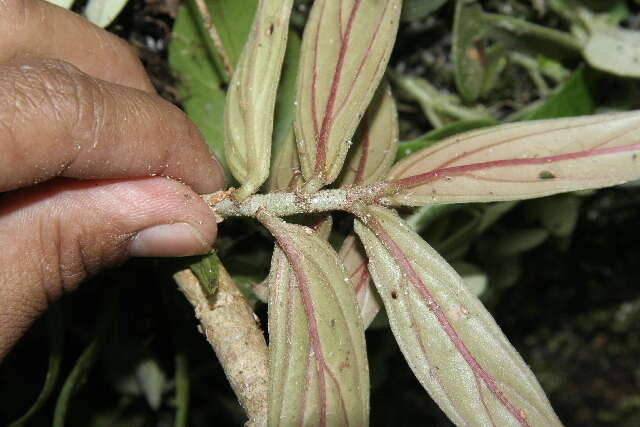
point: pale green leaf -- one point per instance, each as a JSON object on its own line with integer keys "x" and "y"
{"x": 522, "y": 160}
{"x": 355, "y": 263}
{"x": 318, "y": 366}
{"x": 103, "y": 12}
{"x": 285, "y": 168}
{"x": 345, "y": 49}
{"x": 251, "y": 97}
{"x": 614, "y": 50}
{"x": 376, "y": 141}
{"x": 62, "y": 3}
{"x": 284, "y": 154}
{"x": 452, "y": 344}
{"x": 152, "y": 381}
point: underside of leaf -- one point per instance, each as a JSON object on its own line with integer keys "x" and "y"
{"x": 252, "y": 94}
{"x": 345, "y": 49}
{"x": 318, "y": 366}
{"x": 376, "y": 141}
{"x": 450, "y": 341}
{"x": 522, "y": 160}
{"x": 355, "y": 262}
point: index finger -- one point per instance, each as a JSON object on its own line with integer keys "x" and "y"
{"x": 57, "y": 121}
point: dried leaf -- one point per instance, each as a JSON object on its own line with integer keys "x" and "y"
{"x": 450, "y": 341}
{"x": 345, "y": 49}
{"x": 522, "y": 160}
{"x": 376, "y": 141}
{"x": 252, "y": 94}
{"x": 355, "y": 262}
{"x": 318, "y": 365}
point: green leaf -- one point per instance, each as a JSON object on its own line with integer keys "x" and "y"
{"x": 517, "y": 241}
{"x": 525, "y": 37}
{"x": 355, "y": 263}
{"x": 414, "y": 10}
{"x": 85, "y": 361}
{"x": 103, "y": 12}
{"x": 201, "y": 80}
{"x": 376, "y": 141}
{"x": 55, "y": 332}
{"x": 409, "y": 147}
{"x": 345, "y": 49}
{"x": 522, "y": 160}
{"x": 318, "y": 368}
{"x": 251, "y": 97}
{"x": 614, "y": 50}
{"x": 558, "y": 214}
{"x": 206, "y": 270}
{"x": 574, "y": 98}
{"x": 450, "y": 341}
{"x": 468, "y": 45}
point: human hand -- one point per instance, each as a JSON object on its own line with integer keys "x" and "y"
{"x": 85, "y": 146}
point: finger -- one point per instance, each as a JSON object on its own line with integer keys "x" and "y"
{"x": 39, "y": 29}
{"x": 57, "y": 234}
{"x": 58, "y": 121}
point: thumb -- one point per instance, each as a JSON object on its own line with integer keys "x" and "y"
{"x": 55, "y": 235}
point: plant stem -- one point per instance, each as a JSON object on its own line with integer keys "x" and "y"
{"x": 292, "y": 203}
{"x": 215, "y": 37}
{"x": 230, "y": 326}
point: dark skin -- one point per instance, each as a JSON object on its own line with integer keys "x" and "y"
{"x": 94, "y": 166}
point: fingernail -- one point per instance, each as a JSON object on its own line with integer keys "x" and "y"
{"x": 169, "y": 240}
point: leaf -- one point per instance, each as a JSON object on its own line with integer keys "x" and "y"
{"x": 574, "y": 98}
{"x": 559, "y": 214}
{"x": 193, "y": 60}
{"x": 318, "y": 366}
{"x": 474, "y": 279}
{"x": 522, "y": 160}
{"x": 355, "y": 263}
{"x": 376, "y": 141}
{"x": 414, "y": 10}
{"x": 614, "y": 50}
{"x": 285, "y": 168}
{"x": 62, "y": 3}
{"x": 286, "y": 97}
{"x": 86, "y": 360}
{"x": 450, "y": 341}
{"x": 345, "y": 49}
{"x": 55, "y": 331}
{"x": 284, "y": 155}
{"x": 251, "y": 97}
{"x": 409, "y": 147}
{"x": 152, "y": 381}
{"x": 206, "y": 270}
{"x": 468, "y": 45}
{"x": 103, "y": 12}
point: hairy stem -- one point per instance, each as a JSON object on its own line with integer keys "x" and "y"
{"x": 292, "y": 203}
{"x": 230, "y": 326}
